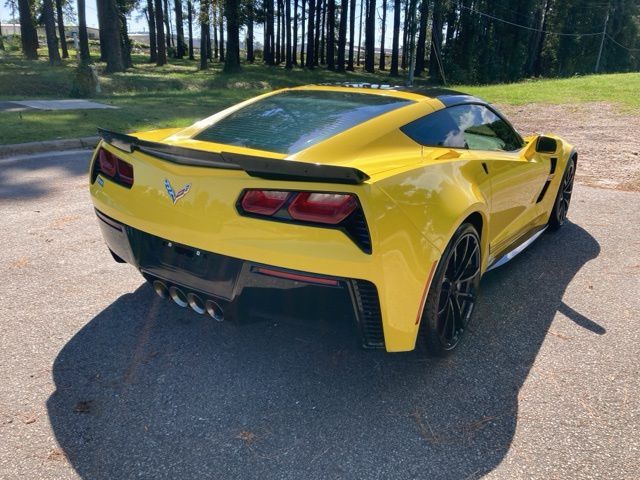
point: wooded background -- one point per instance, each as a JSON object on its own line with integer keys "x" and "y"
{"x": 456, "y": 41}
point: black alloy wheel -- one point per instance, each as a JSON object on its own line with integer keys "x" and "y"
{"x": 563, "y": 199}
{"x": 453, "y": 292}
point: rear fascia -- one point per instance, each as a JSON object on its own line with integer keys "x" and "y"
{"x": 206, "y": 218}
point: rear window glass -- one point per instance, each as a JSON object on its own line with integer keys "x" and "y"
{"x": 294, "y": 120}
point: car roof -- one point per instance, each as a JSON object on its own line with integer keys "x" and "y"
{"x": 447, "y": 96}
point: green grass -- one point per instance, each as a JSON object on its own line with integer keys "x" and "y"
{"x": 620, "y": 88}
{"x": 176, "y": 95}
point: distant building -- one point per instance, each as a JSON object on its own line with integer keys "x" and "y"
{"x": 70, "y": 30}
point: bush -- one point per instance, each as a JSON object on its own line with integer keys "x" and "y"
{"x": 84, "y": 82}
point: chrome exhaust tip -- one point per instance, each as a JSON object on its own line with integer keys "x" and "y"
{"x": 214, "y": 310}
{"x": 178, "y": 296}
{"x": 161, "y": 289}
{"x": 196, "y": 303}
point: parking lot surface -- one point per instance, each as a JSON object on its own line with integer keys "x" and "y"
{"x": 100, "y": 378}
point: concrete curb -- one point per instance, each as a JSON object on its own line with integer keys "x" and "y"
{"x": 48, "y": 146}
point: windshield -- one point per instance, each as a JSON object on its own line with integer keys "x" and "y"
{"x": 296, "y": 119}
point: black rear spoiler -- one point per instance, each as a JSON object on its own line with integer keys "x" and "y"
{"x": 255, "y": 166}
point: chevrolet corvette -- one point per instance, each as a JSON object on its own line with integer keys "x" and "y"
{"x": 399, "y": 198}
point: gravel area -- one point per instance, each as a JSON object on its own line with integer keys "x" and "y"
{"x": 607, "y": 138}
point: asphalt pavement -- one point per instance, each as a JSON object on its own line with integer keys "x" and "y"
{"x": 99, "y": 378}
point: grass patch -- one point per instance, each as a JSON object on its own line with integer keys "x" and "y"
{"x": 620, "y": 88}
{"x": 178, "y": 94}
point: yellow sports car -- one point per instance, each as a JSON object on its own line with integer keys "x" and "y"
{"x": 400, "y": 198}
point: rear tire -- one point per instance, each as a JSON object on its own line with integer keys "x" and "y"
{"x": 561, "y": 206}
{"x": 452, "y": 294}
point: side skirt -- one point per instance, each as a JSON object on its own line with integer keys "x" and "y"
{"x": 520, "y": 247}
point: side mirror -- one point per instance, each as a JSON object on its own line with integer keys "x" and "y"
{"x": 546, "y": 144}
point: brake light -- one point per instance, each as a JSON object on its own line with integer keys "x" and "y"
{"x": 114, "y": 168}
{"x": 263, "y": 202}
{"x": 108, "y": 162}
{"x": 340, "y": 211}
{"x": 125, "y": 172}
{"x": 330, "y": 208}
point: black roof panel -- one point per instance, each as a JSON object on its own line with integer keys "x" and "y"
{"x": 446, "y": 95}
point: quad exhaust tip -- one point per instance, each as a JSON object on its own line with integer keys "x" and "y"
{"x": 190, "y": 299}
{"x": 214, "y": 310}
{"x": 178, "y": 296}
{"x": 196, "y": 303}
{"x": 161, "y": 289}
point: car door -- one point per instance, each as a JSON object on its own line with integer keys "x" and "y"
{"x": 515, "y": 180}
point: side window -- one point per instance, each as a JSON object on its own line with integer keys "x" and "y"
{"x": 464, "y": 126}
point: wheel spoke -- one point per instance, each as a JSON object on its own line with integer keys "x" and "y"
{"x": 470, "y": 276}
{"x": 461, "y": 263}
{"x": 447, "y": 319}
{"x": 466, "y": 296}
{"x": 467, "y": 263}
{"x": 457, "y": 316}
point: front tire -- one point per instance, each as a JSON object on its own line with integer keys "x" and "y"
{"x": 561, "y": 206}
{"x": 452, "y": 294}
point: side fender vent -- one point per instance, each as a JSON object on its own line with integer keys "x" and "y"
{"x": 554, "y": 162}
{"x": 544, "y": 191}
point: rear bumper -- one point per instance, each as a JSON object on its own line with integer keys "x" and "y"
{"x": 224, "y": 279}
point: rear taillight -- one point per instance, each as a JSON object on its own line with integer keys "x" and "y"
{"x": 263, "y": 202}
{"x": 107, "y": 163}
{"x": 113, "y": 168}
{"x": 341, "y": 211}
{"x": 316, "y": 207}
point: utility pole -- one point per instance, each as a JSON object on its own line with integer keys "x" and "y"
{"x": 604, "y": 34}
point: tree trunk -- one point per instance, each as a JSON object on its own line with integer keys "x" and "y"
{"x": 278, "y": 57}
{"x": 436, "y": 39}
{"x": 153, "y": 49}
{"x": 395, "y": 45}
{"x": 383, "y": 54}
{"x": 310, "y": 40}
{"x": 1, "y": 40}
{"x": 112, "y": 37}
{"x": 83, "y": 39}
{"x": 283, "y": 28}
{"x": 204, "y": 32}
{"x": 316, "y": 44}
{"x": 302, "y": 37}
{"x": 214, "y": 21}
{"x": 101, "y": 9}
{"x": 160, "y": 40}
{"x": 405, "y": 36}
{"x": 61, "y": 32}
{"x": 28, "y": 34}
{"x": 331, "y": 35}
{"x": 362, "y": 2}
{"x": 167, "y": 25}
{"x": 323, "y": 32}
{"x": 369, "y": 37}
{"x": 190, "y": 22}
{"x": 352, "y": 32}
{"x": 250, "y": 19}
{"x": 50, "y": 29}
{"x": 268, "y": 52}
{"x": 287, "y": 24}
{"x": 294, "y": 47}
{"x": 232, "y": 12}
{"x": 180, "y": 47}
{"x": 342, "y": 34}
{"x": 125, "y": 41}
{"x": 422, "y": 38}
{"x": 221, "y": 49}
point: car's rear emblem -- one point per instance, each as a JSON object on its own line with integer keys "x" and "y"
{"x": 176, "y": 196}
